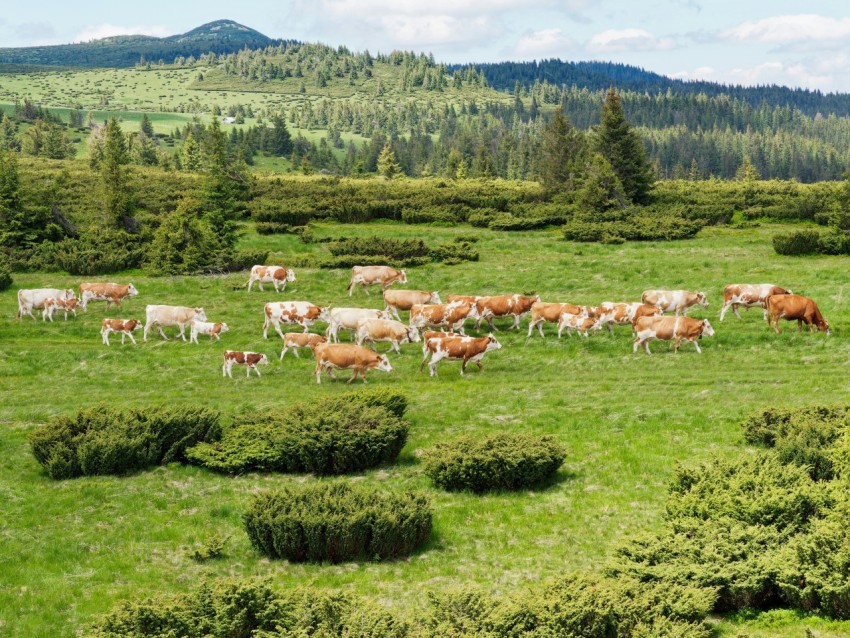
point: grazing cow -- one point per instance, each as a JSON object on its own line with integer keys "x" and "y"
{"x": 625, "y": 314}
{"x": 214, "y": 330}
{"x": 125, "y": 327}
{"x": 348, "y": 318}
{"x": 462, "y": 298}
{"x": 51, "y": 305}
{"x": 394, "y": 332}
{"x": 371, "y": 275}
{"x": 33, "y": 299}
{"x": 542, "y": 311}
{"x": 110, "y": 293}
{"x": 451, "y": 315}
{"x": 396, "y": 300}
{"x": 580, "y": 323}
{"x": 277, "y": 275}
{"x": 249, "y": 359}
{"x": 458, "y": 348}
{"x": 516, "y": 306}
{"x": 180, "y": 316}
{"x": 791, "y": 307}
{"x": 667, "y": 328}
{"x": 302, "y": 313}
{"x": 677, "y": 301}
{"x": 296, "y": 340}
{"x": 748, "y": 295}
{"x": 341, "y": 356}
{"x": 433, "y": 334}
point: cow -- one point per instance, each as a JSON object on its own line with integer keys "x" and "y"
{"x": 677, "y": 301}
{"x": 459, "y": 348}
{"x": 180, "y": 316}
{"x": 51, "y": 305}
{"x": 667, "y": 328}
{"x": 580, "y": 323}
{"x": 110, "y": 293}
{"x": 516, "y": 306}
{"x": 625, "y": 314}
{"x": 371, "y": 275}
{"x": 791, "y": 307}
{"x": 748, "y": 296}
{"x": 249, "y": 359}
{"x": 34, "y": 298}
{"x": 394, "y": 332}
{"x": 432, "y": 334}
{"x": 125, "y": 326}
{"x": 302, "y": 313}
{"x": 348, "y": 318}
{"x": 542, "y": 311}
{"x": 296, "y": 340}
{"x": 451, "y": 315}
{"x": 214, "y": 330}
{"x": 396, "y": 300}
{"x": 463, "y": 298}
{"x": 341, "y": 356}
{"x": 277, "y": 275}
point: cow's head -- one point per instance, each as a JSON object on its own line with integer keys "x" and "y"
{"x": 403, "y": 278}
{"x": 473, "y": 311}
{"x": 200, "y": 315}
{"x": 822, "y": 325}
{"x": 707, "y": 330}
{"x": 325, "y": 314}
{"x": 413, "y": 335}
{"x": 224, "y": 328}
{"x": 492, "y": 343}
{"x": 384, "y": 314}
{"x": 701, "y": 299}
{"x": 70, "y": 294}
{"x": 264, "y": 360}
{"x": 290, "y": 274}
{"x": 383, "y": 364}
{"x": 131, "y": 290}
{"x": 137, "y": 325}
{"x": 435, "y": 297}
{"x": 594, "y": 325}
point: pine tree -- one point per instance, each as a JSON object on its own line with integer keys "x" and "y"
{"x": 601, "y": 189}
{"x": 387, "y": 165}
{"x": 114, "y": 180}
{"x": 146, "y": 127}
{"x": 563, "y": 153}
{"x": 623, "y": 148}
{"x": 226, "y": 184}
{"x": 190, "y": 154}
{"x": 8, "y": 139}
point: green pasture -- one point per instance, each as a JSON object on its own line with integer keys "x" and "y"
{"x": 70, "y": 550}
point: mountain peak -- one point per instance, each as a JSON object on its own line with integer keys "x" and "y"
{"x": 222, "y": 30}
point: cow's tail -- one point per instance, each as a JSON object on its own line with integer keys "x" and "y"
{"x": 20, "y": 303}
{"x": 767, "y": 308}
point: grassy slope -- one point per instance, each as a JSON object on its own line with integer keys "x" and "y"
{"x": 71, "y": 549}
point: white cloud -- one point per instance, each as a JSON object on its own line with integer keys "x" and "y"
{"x": 628, "y": 40}
{"x": 790, "y": 28}
{"x": 429, "y": 30}
{"x": 98, "y": 31}
{"x": 548, "y": 43}
{"x": 797, "y": 75}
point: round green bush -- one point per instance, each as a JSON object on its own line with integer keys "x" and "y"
{"x": 5, "y": 278}
{"x": 335, "y": 522}
{"x": 498, "y": 462}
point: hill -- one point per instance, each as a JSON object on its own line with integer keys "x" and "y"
{"x": 221, "y": 36}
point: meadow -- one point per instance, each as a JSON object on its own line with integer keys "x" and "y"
{"x": 70, "y": 550}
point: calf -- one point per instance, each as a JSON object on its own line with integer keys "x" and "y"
{"x": 125, "y": 327}
{"x": 625, "y": 314}
{"x": 33, "y": 299}
{"x": 542, "y": 311}
{"x": 180, "y": 316}
{"x": 748, "y": 296}
{"x": 580, "y": 323}
{"x": 276, "y": 275}
{"x": 297, "y": 340}
{"x": 371, "y": 275}
{"x": 110, "y": 293}
{"x": 214, "y": 330}
{"x": 349, "y": 318}
{"x": 249, "y": 359}
{"x": 51, "y": 305}
{"x": 677, "y": 301}
{"x": 396, "y": 300}
{"x": 516, "y": 306}
{"x": 341, "y": 356}
{"x": 459, "y": 348}
{"x": 667, "y": 328}
{"x": 791, "y": 307}
{"x": 451, "y": 315}
{"x": 388, "y": 330}
{"x": 301, "y": 313}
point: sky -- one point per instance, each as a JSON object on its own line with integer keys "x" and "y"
{"x": 748, "y": 42}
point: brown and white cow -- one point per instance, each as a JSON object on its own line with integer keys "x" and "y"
{"x": 342, "y": 356}
{"x": 349, "y": 318}
{"x": 458, "y": 348}
{"x": 578, "y": 323}
{"x": 248, "y": 359}
{"x": 297, "y": 340}
{"x": 34, "y": 298}
{"x": 389, "y": 330}
{"x": 277, "y": 275}
{"x": 516, "y": 306}
{"x": 302, "y": 313}
{"x": 52, "y": 304}
{"x": 371, "y": 275}
{"x": 396, "y": 300}
{"x": 625, "y": 314}
{"x": 670, "y": 328}
{"x": 791, "y": 307}
{"x": 463, "y": 298}
{"x": 432, "y": 334}
{"x": 125, "y": 326}
{"x": 450, "y": 315}
{"x": 748, "y": 296}
{"x": 110, "y": 293}
{"x": 677, "y": 301}
{"x": 214, "y": 330}
{"x": 543, "y": 311}
{"x": 180, "y": 316}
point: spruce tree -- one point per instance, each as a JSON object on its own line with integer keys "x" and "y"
{"x": 145, "y": 126}
{"x": 387, "y": 165}
{"x": 114, "y": 180}
{"x": 190, "y": 153}
{"x": 563, "y": 153}
{"x": 20, "y": 227}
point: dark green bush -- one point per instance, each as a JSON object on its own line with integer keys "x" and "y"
{"x": 637, "y": 227}
{"x": 428, "y": 216}
{"x": 336, "y": 522}
{"x": 454, "y": 252}
{"x": 351, "y": 433}
{"x": 237, "y": 260}
{"x": 798, "y": 242}
{"x": 5, "y": 275}
{"x": 396, "y": 249}
{"x": 497, "y": 462}
{"x": 347, "y": 261}
{"x": 102, "y": 440}
{"x": 101, "y": 253}
{"x": 273, "y": 228}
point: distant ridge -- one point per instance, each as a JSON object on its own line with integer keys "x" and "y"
{"x": 220, "y": 36}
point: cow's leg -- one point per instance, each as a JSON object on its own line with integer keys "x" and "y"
{"x": 354, "y": 376}
{"x": 224, "y": 369}
{"x": 123, "y": 335}
{"x": 283, "y": 352}
{"x": 396, "y": 347}
{"x": 108, "y": 303}
{"x": 193, "y": 336}
{"x": 676, "y": 346}
{"x": 29, "y": 312}
{"x": 257, "y": 370}
{"x": 432, "y": 365}
{"x": 424, "y": 358}
{"x": 696, "y": 345}
{"x": 104, "y": 334}
{"x": 735, "y": 310}
{"x": 365, "y": 288}
{"x": 393, "y": 310}
{"x": 723, "y": 310}
{"x": 764, "y": 312}
{"x": 182, "y": 328}
{"x": 775, "y": 324}
{"x": 490, "y": 323}
{"x": 646, "y": 346}
{"x": 44, "y": 315}
{"x": 610, "y": 329}
{"x": 164, "y": 336}
{"x": 318, "y": 371}
{"x": 560, "y": 328}
{"x": 260, "y": 284}
{"x": 515, "y": 326}
{"x": 635, "y": 345}
{"x": 799, "y": 325}
{"x": 250, "y": 283}
{"x": 132, "y": 338}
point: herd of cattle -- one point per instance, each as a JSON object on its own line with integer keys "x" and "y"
{"x": 438, "y": 325}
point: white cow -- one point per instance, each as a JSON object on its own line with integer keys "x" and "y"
{"x": 214, "y": 330}
{"x": 389, "y": 330}
{"x": 180, "y": 316}
{"x": 348, "y": 318}
{"x": 277, "y": 275}
{"x": 33, "y": 299}
{"x": 302, "y": 313}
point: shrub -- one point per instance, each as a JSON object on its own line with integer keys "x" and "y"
{"x": 5, "y": 276}
{"x": 798, "y": 242}
{"x": 350, "y": 433}
{"x": 234, "y": 261}
{"x": 273, "y": 228}
{"x": 500, "y": 461}
{"x": 102, "y": 440}
{"x": 637, "y": 227}
{"x": 454, "y": 252}
{"x": 347, "y": 261}
{"x": 336, "y": 522}
{"x": 428, "y": 216}
{"x": 398, "y": 249}
{"x": 106, "y": 252}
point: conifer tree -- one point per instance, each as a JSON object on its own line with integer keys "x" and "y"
{"x": 563, "y": 153}
{"x": 388, "y": 167}
{"x": 114, "y": 180}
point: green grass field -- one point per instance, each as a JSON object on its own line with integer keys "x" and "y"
{"x": 70, "y": 550}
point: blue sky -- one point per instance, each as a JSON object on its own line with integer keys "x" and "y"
{"x": 743, "y": 41}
